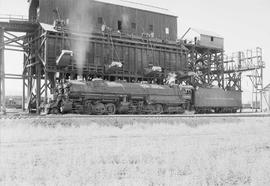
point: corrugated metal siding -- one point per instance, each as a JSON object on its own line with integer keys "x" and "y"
{"x": 111, "y": 14}
{"x": 134, "y": 58}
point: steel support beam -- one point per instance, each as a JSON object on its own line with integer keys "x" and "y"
{"x": 2, "y": 73}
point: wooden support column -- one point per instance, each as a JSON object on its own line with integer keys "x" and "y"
{"x": 23, "y": 81}
{"x": 23, "y": 96}
{"x": 38, "y": 87}
{"x": 45, "y": 69}
{"x": 209, "y": 63}
{"x": 38, "y": 67}
{"x": 2, "y": 73}
{"x": 30, "y": 76}
{"x": 222, "y": 73}
{"x": 30, "y": 85}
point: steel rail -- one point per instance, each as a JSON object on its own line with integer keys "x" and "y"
{"x": 76, "y": 116}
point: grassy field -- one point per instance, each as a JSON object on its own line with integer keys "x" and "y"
{"x": 213, "y": 151}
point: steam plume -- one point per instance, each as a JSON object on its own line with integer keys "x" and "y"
{"x": 171, "y": 78}
{"x": 81, "y": 23}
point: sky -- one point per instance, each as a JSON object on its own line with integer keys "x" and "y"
{"x": 244, "y": 25}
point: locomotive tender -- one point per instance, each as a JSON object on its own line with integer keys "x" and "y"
{"x": 105, "y": 97}
{"x": 217, "y": 100}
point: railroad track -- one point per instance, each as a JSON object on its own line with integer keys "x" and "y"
{"x": 74, "y": 116}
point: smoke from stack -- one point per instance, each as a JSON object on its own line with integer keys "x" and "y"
{"x": 80, "y": 21}
{"x": 171, "y": 78}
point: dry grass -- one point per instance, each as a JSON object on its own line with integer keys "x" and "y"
{"x": 135, "y": 152}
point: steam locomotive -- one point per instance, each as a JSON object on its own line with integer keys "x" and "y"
{"x": 105, "y": 97}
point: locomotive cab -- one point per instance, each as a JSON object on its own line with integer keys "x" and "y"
{"x": 187, "y": 91}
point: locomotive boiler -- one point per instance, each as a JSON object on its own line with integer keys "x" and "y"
{"x": 105, "y": 97}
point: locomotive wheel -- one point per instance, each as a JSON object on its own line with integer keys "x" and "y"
{"x": 99, "y": 108}
{"x": 79, "y": 109}
{"x": 159, "y": 109}
{"x": 55, "y": 110}
{"x": 88, "y": 108}
{"x": 181, "y": 110}
{"x": 110, "y": 108}
{"x": 150, "y": 109}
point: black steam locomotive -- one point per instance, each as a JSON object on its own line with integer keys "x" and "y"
{"x": 105, "y": 97}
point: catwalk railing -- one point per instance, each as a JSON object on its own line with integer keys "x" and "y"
{"x": 244, "y": 61}
{"x": 9, "y": 17}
